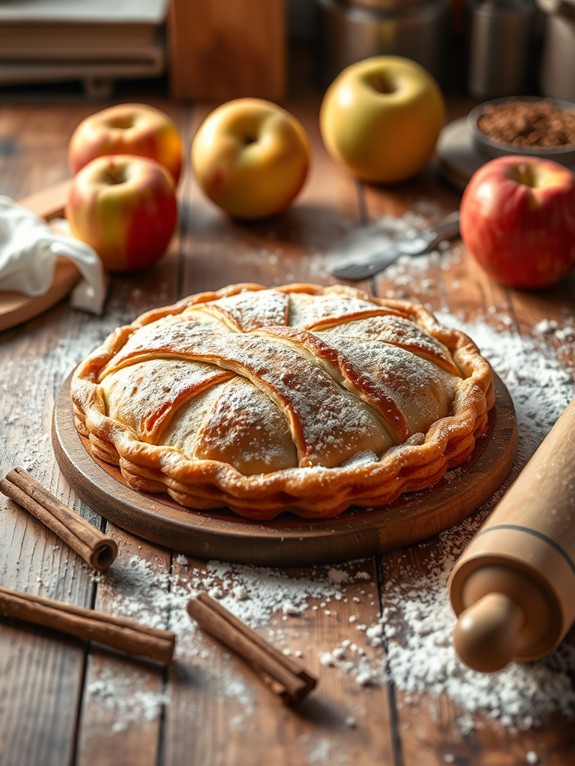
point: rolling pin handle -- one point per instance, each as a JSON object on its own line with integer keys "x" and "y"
{"x": 486, "y": 633}
{"x": 512, "y": 588}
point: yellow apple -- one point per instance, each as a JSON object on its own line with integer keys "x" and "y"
{"x": 381, "y": 117}
{"x": 136, "y": 129}
{"x": 126, "y": 208}
{"x": 250, "y": 157}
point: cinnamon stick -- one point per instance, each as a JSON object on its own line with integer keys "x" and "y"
{"x": 89, "y": 624}
{"x": 287, "y": 677}
{"x": 94, "y": 547}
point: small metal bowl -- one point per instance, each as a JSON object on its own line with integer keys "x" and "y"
{"x": 491, "y": 148}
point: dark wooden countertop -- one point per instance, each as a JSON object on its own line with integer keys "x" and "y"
{"x": 62, "y": 702}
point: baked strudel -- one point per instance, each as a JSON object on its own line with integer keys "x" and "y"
{"x": 302, "y": 398}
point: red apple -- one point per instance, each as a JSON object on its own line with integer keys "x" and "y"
{"x": 127, "y": 129}
{"x": 518, "y": 220}
{"x": 125, "y": 207}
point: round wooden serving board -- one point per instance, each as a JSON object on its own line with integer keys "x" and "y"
{"x": 288, "y": 540}
{"x": 16, "y": 307}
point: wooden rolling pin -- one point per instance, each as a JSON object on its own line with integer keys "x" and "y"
{"x": 513, "y": 588}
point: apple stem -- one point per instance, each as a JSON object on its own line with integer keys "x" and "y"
{"x": 116, "y": 175}
{"x": 381, "y": 83}
{"x": 525, "y": 174}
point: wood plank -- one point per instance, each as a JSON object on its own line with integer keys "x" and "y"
{"x": 123, "y": 698}
{"x": 432, "y": 729}
{"x": 340, "y": 721}
{"x": 216, "y": 710}
{"x": 42, "y": 719}
{"x": 293, "y": 246}
{"x": 214, "y": 55}
{"x": 42, "y": 671}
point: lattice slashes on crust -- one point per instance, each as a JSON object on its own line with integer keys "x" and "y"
{"x": 302, "y": 398}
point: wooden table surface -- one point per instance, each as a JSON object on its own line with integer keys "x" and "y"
{"x": 64, "y": 702}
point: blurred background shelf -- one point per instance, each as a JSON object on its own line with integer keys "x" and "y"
{"x": 94, "y": 42}
{"x": 217, "y": 50}
{"x": 205, "y": 49}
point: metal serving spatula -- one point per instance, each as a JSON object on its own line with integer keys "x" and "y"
{"x": 421, "y": 243}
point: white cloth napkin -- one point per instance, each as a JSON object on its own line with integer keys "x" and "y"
{"x": 29, "y": 248}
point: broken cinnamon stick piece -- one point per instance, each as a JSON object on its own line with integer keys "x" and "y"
{"x": 94, "y": 547}
{"x": 287, "y": 677}
{"x": 89, "y": 624}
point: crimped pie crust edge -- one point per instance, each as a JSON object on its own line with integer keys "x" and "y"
{"x": 311, "y": 492}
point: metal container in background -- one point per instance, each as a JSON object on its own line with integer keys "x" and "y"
{"x": 500, "y": 47}
{"x": 351, "y": 31}
{"x": 557, "y": 72}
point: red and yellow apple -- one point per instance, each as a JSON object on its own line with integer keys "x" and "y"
{"x": 125, "y": 207}
{"x": 381, "y": 118}
{"x": 136, "y": 129}
{"x": 250, "y": 157}
{"x": 518, "y": 220}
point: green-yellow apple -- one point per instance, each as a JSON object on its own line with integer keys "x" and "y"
{"x": 136, "y": 129}
{"x": 518, "y": 220}
{"x": 381, "y": 117}
{"x": 250, "y": 157}
{"x": 125, "y": 207}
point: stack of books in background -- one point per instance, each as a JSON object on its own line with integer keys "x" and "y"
{"x": 96, "y": 43}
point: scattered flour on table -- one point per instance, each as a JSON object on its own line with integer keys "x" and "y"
{"x": 134, "y": 589}
{"x": 418, "y": 625}
{"x": 417, "y": 620}
{"x": 350, "y": 241}
{"x": 539, "y": 384}
{"x": 127, "y": 697}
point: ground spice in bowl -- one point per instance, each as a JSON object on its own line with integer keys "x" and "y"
{"x": 540, "y": 127}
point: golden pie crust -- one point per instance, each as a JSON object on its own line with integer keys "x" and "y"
{"x": 302, "y": 398}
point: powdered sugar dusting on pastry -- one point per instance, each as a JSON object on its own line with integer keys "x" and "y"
{"x": 251, "y": 310}
{"x": 337, "y": 390}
